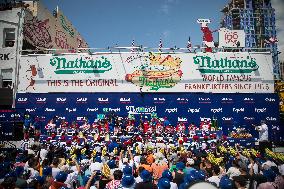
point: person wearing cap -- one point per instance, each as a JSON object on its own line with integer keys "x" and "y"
{"x": 164, "y": 183}
{"x": 168, "y": 175}
{"x": 147, "y": 180}
{"x": 179, "y": 173}
{"x": 97, "y": 165}
{"x": 127, "y": 170}
{"x": 112, "y": 165}
{"x": 225, "y": 183}
{"x": 116, "y": 180}
{"x": 60, "y": 178}
{"x": 127, "y": 182}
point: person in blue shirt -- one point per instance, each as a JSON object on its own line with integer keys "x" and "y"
{"x": 166, "y": 122}
{"x": 27, "y": 122}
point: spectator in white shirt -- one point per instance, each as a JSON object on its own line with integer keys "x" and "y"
{"x": 215, "y": 178}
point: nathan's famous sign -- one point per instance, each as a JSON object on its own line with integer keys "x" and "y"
{"x": 222, "y": 72}
{"x": 225, "y": 65}
{"x": 80, "y": 65}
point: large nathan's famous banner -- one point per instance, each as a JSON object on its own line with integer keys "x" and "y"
{"x": 225, "y": 72}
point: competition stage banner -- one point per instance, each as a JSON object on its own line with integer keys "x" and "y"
{"x": 230, "y": 110}
{"x": 222, "y": 72}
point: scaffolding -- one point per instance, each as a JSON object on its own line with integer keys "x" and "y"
{"x": 257, "y": 19}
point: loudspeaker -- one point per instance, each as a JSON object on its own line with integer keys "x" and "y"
{"x": 18, "y": 131}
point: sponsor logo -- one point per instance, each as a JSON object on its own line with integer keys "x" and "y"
{"x": 227, "y": 100}
{"x": 138, "y": 110}
{"x": 182, "y": 99}
{"x": 111, "y": 109}
{"x": 249, "y": 118}
{"x": 80, "y": 65}
{"x": 171, "y": 110}
{"x": 22, "y": 99}
{"x": 61, "y": 100}
{"x": 182, "y": 119}
{"x": 124, "y": 99}
{"x": 159, "y": 99}
{"x": 71, "y": 109}
{"x": 204, "y": 100}
{"x": 271, "y": 118}
{"x": 103, "y": 100}
{"x": 225, "y": 65}
{"x": 260, "y": 110}
{"x": 227, "y": 118}
{"x": 249, "y": 100}
{"x": 49, "y": 110}
{"x": 193, "y": 110}
{"x": 238, "y": 110}
{"x": 80, "y": 118}
{"x": 216, "y": 110}
{"x": 30, "y": 110}
{"x": 82, "y": 100}
{"x": 92, "y": 109}
{"x": 205, "y": 118}
{"x": 270, "y": 99}
{"x": 40, "y": 100}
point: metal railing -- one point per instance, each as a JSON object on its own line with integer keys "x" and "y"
{"x": 137, "y": 49}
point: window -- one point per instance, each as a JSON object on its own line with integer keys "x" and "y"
{"x": 6, "y": 77}
{"x": 9, "y": 37}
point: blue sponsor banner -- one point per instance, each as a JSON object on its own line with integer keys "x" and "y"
{"x": 231, "y": 110}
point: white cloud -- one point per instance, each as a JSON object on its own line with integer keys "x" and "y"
{"x": 278, "y": 5}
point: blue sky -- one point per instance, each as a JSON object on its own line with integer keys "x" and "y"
{"x": 105, "y": 23}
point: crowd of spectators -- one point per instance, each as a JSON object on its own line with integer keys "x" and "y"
{"x": 143, "y": 163}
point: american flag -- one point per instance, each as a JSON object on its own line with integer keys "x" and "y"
{"x": 188, "y": 44}
{"x": 132, "y": 46}
{"x": 160, "y": 45}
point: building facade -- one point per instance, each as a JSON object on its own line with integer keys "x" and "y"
{"x": 26, "y": 28}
